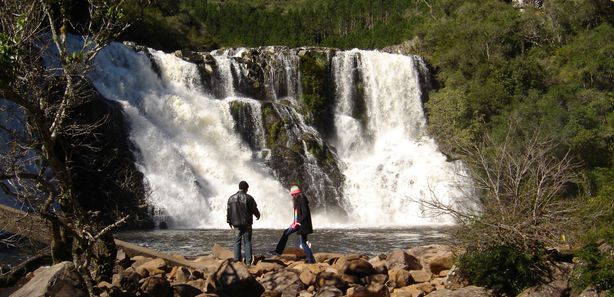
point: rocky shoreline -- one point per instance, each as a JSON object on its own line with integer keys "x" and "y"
{"x": 421, "y": 271}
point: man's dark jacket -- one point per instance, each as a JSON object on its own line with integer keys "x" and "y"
{"x": 240, "y": 209}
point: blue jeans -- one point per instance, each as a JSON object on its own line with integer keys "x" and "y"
{"x": 281, "y": 245}
{"x": 243, "y": 234}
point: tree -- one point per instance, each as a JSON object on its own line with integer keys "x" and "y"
{"x": 43, "y": 85}
{"x": 520, "y": 195}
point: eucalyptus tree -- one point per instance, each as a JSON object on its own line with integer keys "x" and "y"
{"x": 43, "y": 82}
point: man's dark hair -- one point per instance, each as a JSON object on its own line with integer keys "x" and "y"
{"x": 243, "y": 185}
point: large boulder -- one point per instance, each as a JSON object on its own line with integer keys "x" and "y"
{"x": 285, "y": 281}
{"x": 233, "y": 279}
{"x": 156, "y": 286}
{"x": 400, "y": 259}
{"x": 435, "y": 257}
{"x": 60, "y": 280}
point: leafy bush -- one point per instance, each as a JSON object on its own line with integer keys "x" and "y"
{"x": 596, "y": 268}
{"x": 506, "y": 270}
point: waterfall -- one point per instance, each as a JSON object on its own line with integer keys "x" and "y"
{"x": 195, "y": 144}
{"x": 187, "y": 148}
{"x": 389, "y": 162}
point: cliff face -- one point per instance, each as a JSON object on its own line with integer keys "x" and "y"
{"x": 104, "y": 173}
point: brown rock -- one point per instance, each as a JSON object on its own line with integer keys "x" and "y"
{"x": 375, "y": 278}
{"x": 329, "y": 291}
{"x": 233, "y": 279}
{"x": 326, "y": 257}
{"x": 470, "y": 291}
{"x": 127, "y": 280}
{"x": 455, "y": 280}
{"x": 400, "y": 259}
{"x": 221, "y": 252}
{"x": 329, "y": 279}
{"x": 185, "y": 290}
{"x": 398, "y": 278}
{"x": 420, "y": 276}
{"x": 307, "y": 277}
{"x": 265, "y": 266}
{"x": 408, "y": 291}
{"x": 183, "y": 274}
{"x": 373, "y": 290}
{"x": 156, "y": 286}
{"x": 153, "y": 267}
{"x": 285, "y": 281}
{"x": 435, "y": 257}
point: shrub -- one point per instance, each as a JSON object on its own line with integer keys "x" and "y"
{"x": 596, "y": 268}
{"x": 506, "y": 270}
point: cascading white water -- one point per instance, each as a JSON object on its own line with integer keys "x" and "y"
{"x": 193, "y": 159}
{"x": 188, "y": 151}
{"x": 391, "y": 162}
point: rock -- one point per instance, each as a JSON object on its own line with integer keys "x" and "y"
{"x": 156, "y": 286}
{"x": 589, "y": 292}
{"x": 287, "y": 281}
{"x": 373, "y": 290}
{"x": 329, "y": 291}
{"x": 470, "y": 291}
{"x": 553, "y": 289}
{"x": 200, "y": 284}
{"x": 398, "y": 278}
{"x": 375, "y": 278}
{"x": 408, "y": 291}
{"x": 210, "y": 262}
{"x": 455, "y": 280}
{"x": 330, "y": 279}
{"x": 185, "y": 290}
{"x": 271, "y": 294}
{"x": 221, "y": 252}
{"x": 122, "y": 259}
{"x": 436, "y": 257}
{"x": 400, "y": 259}
{"x": 299, "y": 253}
{"x": 127, "y": 280}
{"x": 153, "y": 267}
{"x": 327, "y": 257}
{"x": 139, "y": 260}
{"x": 420, "y": 276}
{"x": 183, "y": 274}
{"x": 379, "y": 265}
{"x": 359, "y": 268}
{"x": 233, "y": 279}
{"x": 60, "y": 280}
{"x": 307, "y": 277}
{"x": 265, "y": 266}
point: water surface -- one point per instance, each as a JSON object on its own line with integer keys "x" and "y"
{"x": 198, "y": 242}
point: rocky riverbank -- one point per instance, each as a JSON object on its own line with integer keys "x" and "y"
{"x": 420, "y": 271}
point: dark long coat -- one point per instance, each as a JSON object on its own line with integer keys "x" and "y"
{"x": 301, "y": 206}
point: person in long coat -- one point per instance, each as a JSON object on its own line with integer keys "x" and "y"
{"x": 301, "y": 224}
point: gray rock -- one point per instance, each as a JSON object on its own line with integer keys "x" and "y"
{"x": 60, "y": 280}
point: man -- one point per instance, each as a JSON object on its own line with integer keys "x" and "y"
{"x": 301, "y": 224}
{"x": 239, "y": 211}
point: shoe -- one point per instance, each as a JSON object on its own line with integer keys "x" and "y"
{"x": 274, "y": 253}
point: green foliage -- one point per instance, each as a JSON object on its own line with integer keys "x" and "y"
{"x": 7, "y": 58}
{"x": 334, "y": 23}
{"x": 504, "y": 269}
{"x": 316, "y": 88}
{"x": 596, "y": 266}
